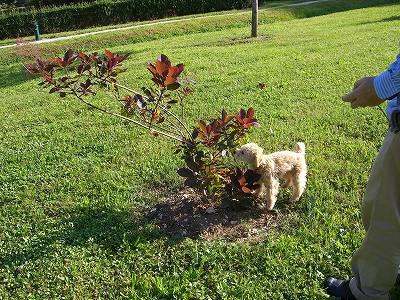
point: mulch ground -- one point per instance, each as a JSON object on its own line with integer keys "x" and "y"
{"x": 188, "y": 214}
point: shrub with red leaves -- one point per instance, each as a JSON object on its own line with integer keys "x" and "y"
{"x": 207, "y": 150}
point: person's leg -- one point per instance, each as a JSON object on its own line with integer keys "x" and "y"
{"x": 375, "y": 264}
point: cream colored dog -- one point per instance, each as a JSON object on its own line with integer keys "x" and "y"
{"x": 286, "y": 165}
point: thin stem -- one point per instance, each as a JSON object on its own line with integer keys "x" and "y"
{"x": 174, "y": 127}
{"x": 181, "y": 103}
{"x": 130, "y": 90}
{"x": 157, "y": 104}
{"x": 159, "y": 126}
{"x": 130, "y": 120}
{"x": 162, "y": 106}
{"x": 176, "y": 118}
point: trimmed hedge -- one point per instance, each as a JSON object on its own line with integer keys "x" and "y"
{"x": 85, "y": 15}
{"x": 43, "y": 3}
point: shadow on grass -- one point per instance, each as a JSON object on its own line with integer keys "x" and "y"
{"x": 108, "y": 228}
{"x": 13, "y": 75}
{"x": 299, "y": 12}
{"x": 105, "y": 227}
{"x": 329, "y": 7}
{"x": 390, "y": 19}
{"x": 113, "y": 230}
{"x": 228, "y": 42}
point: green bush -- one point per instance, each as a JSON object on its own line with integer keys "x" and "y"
{"x": 43, "y": 3}
{"x": 83, "y": 15}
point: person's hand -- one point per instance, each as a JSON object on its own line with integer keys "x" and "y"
{"x": 363, "y": 94}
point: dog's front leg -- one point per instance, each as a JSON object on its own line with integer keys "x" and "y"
{"x": 272, "y": 187}
{"x": 260, "y": 195}
{"x": 260, "y": 191}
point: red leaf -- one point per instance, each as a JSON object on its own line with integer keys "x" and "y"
{"x": 94, "y": 57}
{"x": 109, "y": 54}
{"x": 121, "y": 58}
{"x": 250, "y": 113}
{"x": 242, "y": 113}
{"x": 247, "y": 190}
{"x": 162, "y": 64}
{"x": 242, "y": 180}
{"x": 47, "y": 78}
{"x": 80, "y": 68}
{"x": 164, "y": 74}
{"x": 68, "y": 55}
{"x": 83, "y": 56}
{"x": 173, "y": 73}
{"x": 246, "y": 119}
{"x": 59, "y": 61}
{"x": 202, "y": 126}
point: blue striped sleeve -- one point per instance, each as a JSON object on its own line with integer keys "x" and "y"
{"x": 387, "y": 84}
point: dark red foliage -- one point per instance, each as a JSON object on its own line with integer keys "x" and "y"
{"x": 84, "y": 88}
{"x": 246, "y": 119}
{"x": 225, "y": 119}
{"x": 42, "y": 68}
{"x": 86, "y": 62}
{"x": 112, "y": 60}
{"x": 245, "y": 181}
{"x": 209, "y": 134}
{"x": 68, "y": 59}
{"x": 165, "y": 75}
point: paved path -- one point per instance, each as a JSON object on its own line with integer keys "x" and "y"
{"x": 160, "y": 22}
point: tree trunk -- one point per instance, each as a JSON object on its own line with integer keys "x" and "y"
{"x": 254, "y": 23}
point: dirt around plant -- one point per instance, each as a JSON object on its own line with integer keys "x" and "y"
{"x": 188, "y": 214}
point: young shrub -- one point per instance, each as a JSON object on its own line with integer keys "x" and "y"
{"x": 207, "y": 150}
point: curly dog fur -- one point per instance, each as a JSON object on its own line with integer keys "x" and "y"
{"x": 288, "y": 166}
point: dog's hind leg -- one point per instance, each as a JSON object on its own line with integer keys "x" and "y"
{"x": 299, "y": 184}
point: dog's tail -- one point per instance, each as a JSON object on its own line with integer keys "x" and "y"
{"x": 300, "y": 148}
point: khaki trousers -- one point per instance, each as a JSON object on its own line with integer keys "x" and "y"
{"x": 376, "y": 262}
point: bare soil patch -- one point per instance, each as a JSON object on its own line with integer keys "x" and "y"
{"x": 188, "y": 214}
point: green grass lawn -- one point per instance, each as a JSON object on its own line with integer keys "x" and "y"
{"x": 73, "y": 180}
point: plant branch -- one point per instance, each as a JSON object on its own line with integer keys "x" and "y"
{"x": 174, "y": 126}
{"x": 219, "y": 152}
{"x": 129, "y": 120}
{"x": 162, "y": 106}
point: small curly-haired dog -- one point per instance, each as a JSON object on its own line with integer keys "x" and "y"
{"x": 285, "y": 165}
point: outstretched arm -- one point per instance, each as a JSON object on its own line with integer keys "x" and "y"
{"x": 372, "y": 91}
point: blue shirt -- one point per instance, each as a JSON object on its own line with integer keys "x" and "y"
{"x": 387, "y": 85}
